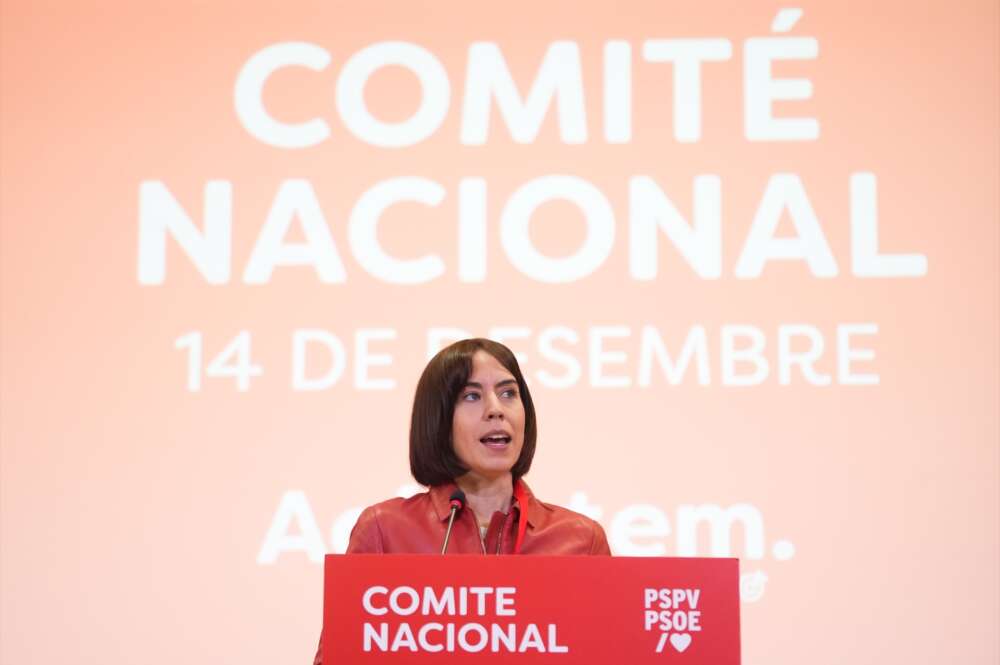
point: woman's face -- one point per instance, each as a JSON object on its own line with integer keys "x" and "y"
{"x": 487, "y": 430}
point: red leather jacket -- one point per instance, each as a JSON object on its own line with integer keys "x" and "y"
{"x": 417, "y": 525}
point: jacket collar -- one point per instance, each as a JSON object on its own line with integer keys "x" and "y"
{"x": 441, "y": 495}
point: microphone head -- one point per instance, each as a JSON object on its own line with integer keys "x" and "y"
{"x": 457, "y": 500}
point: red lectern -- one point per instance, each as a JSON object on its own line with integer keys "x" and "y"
{"x": 530, "y": 609}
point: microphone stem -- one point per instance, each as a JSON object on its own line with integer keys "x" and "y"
{"x": 447, "y": 534}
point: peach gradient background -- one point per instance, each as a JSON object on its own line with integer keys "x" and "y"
{"x": 132, "y": 511}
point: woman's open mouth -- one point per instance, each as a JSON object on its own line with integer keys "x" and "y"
{"x": 495, "y": 440}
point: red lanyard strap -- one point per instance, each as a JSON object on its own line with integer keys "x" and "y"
{"x": 522, "y": 519}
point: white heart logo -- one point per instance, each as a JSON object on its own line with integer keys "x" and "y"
{"x": 680, "y": 641}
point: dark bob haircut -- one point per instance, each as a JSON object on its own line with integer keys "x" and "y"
{"x": 432, "y": 458}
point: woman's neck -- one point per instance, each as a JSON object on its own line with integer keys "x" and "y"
{"x": 486, "y": 495}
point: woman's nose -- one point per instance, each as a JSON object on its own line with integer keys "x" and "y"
{"x": 493, "y": 409}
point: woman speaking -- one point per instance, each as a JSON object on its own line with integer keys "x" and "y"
{"x": 472, "y": 437}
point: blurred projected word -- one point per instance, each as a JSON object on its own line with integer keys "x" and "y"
{"x": 652, "y": 216}
{"x": 561, "y": 80}
{"x": 640, "y": 529}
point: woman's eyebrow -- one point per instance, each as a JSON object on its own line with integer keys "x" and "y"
{"x": 476, "y": 384}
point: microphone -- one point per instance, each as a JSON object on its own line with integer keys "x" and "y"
{"x": 457, "y": 502}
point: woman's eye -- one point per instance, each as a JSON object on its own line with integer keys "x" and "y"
{"x": 510, "y": 392}
{"x": 470, "y": 397}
